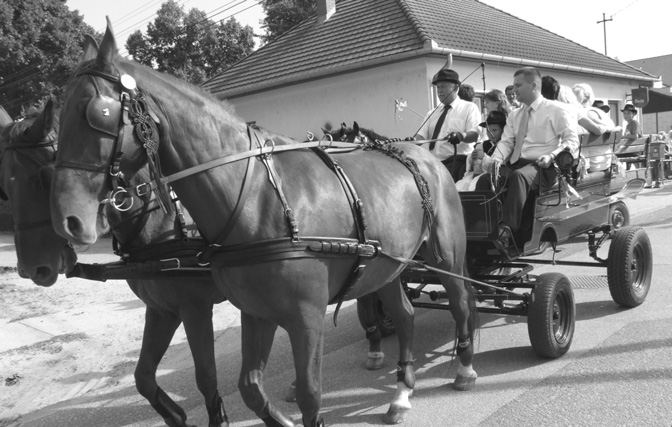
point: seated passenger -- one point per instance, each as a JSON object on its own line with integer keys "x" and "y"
{"x": 474, "y": 172}
{"x": 534, "y": 134}
{"x": 596, "y": 121}
{"x": 479, "y": 160}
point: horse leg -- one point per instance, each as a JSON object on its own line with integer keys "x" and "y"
{"x": 402, "y": 313}
{"x": 256, "y": 342}
{"x": 375, "y": 357}
{"x": 307, "y": 338}
{"x": 461, "y": 304}
{"x": 197, "y": 318}
{"x": 159, "y": 330}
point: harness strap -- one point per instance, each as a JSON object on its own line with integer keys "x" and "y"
{"x": 285, "y": 248}
{"x": 244, "y": 190}
{"x": 151, "y": 186}
{"x": 275, "y": 180}
{"x": 351, "y": 193}
{"x": 359, "y": 217}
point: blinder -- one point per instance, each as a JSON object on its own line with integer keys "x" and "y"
{"x": 104, "y": 114}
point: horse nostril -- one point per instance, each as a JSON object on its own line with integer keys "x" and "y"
{"x": 74, "y": 225}
{"x": 42, "y": 272}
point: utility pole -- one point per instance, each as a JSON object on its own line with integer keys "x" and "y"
{"x": 604, "y": 22}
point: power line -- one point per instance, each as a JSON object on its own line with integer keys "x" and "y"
{"x": 37, "y": 64}
{"x": 254, "y": 3}
{"x": 21, "y": 80}
{"x": 131, "y": 14}
{"x": 624, "y": 8}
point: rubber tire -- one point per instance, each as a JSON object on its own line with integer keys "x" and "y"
{"x": 629, "y": 266}
{"x": 383, "y": 320}
{"x": 551, "y": 315}
{"x": 619, "y": 215}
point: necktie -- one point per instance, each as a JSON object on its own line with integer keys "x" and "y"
{"x": 437, "y": 128}
{"x": 520, "y": 135}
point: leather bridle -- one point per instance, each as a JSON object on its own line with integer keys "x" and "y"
{"x": 27, "y": 151}
{"x": 110, "y": 116}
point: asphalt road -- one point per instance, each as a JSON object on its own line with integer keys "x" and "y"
{"x": 618, "y": 371}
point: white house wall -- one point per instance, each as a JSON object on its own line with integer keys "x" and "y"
{"x": 369, "y": 96}
{"x": 366, "y": 96}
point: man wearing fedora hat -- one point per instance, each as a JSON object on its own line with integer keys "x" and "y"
{"x": 452, "y": 126}
{"x": 633, "y": 130}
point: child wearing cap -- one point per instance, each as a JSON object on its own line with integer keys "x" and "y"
{"x": 478, "y": 161}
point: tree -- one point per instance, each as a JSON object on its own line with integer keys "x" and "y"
{"x": 189, "y": 45}
{"x": 281, "y": 15}
{"x": 40, "y": 45}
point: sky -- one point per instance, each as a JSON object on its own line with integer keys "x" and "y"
{"x": 638, "y": 28}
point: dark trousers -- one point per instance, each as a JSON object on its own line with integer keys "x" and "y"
{"x": 521, "y": 178}
{"x": 456, "y": 165}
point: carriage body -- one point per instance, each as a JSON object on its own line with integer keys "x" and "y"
{"x": 505, "y": 285}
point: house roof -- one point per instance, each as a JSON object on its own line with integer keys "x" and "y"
{"x": 375, "y": 32}
{"x": 658, "y": 66}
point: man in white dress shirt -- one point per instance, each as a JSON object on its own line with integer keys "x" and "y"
{"x": 534, "y": 134}
{"x": 453, "y": 124}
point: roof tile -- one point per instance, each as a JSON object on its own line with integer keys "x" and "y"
{"x": 362, "y": 30}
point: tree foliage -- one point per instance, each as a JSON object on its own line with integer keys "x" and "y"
{"x": 281, "y": 15}
{"x": 189, "y": 45}
{"x": 40, "y": 45}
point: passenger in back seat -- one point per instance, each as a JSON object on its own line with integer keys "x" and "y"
{"x": 596, "y": 121}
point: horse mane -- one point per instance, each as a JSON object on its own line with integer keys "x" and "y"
{"x": 183, "y": 86}
{"x": 133, "y": 67}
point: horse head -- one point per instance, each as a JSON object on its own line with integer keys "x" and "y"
{"x": 355, "y": 134}
{"x": 89, "y": 166}
{"x": 27, "y": 152}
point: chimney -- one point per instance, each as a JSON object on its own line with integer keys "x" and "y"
{"x": 325, "y": 8}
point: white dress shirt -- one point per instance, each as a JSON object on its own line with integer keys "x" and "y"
{"x": 463, "y": 116}
{"x": 550, "y": 129}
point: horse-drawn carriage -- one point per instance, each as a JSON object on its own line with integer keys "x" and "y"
{"x": 341, "y": 249}
{"x": 578, "y": 205}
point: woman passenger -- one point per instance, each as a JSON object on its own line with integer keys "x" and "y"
{"x": 596, "y": 121}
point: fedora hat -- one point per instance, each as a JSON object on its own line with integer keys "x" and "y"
{"x": 629, "y": 107}
{"x": 446, "y": 75}
{"x": 494, "y": 117}
{"x": 602, "y": 106}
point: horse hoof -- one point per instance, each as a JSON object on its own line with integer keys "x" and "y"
{"x": 375, "y": 360}
{"x": 463, "y": 383}
{"x": 291, "y": 394}
{"x": 396, "y": 414}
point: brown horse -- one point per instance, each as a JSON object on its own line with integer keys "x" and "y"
{"x": 276, "y": 276}
{"x": 27, "y": 147}
{"x": 25, "y": 168}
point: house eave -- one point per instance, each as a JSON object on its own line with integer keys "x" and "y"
{"x": 429, "y": 48}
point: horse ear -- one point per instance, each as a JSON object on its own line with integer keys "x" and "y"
{"x": 43, "y": 124}
{"x": 355, "y": 126}
{"x": 108, "y": 47}
{"x": 90, "y": 48}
